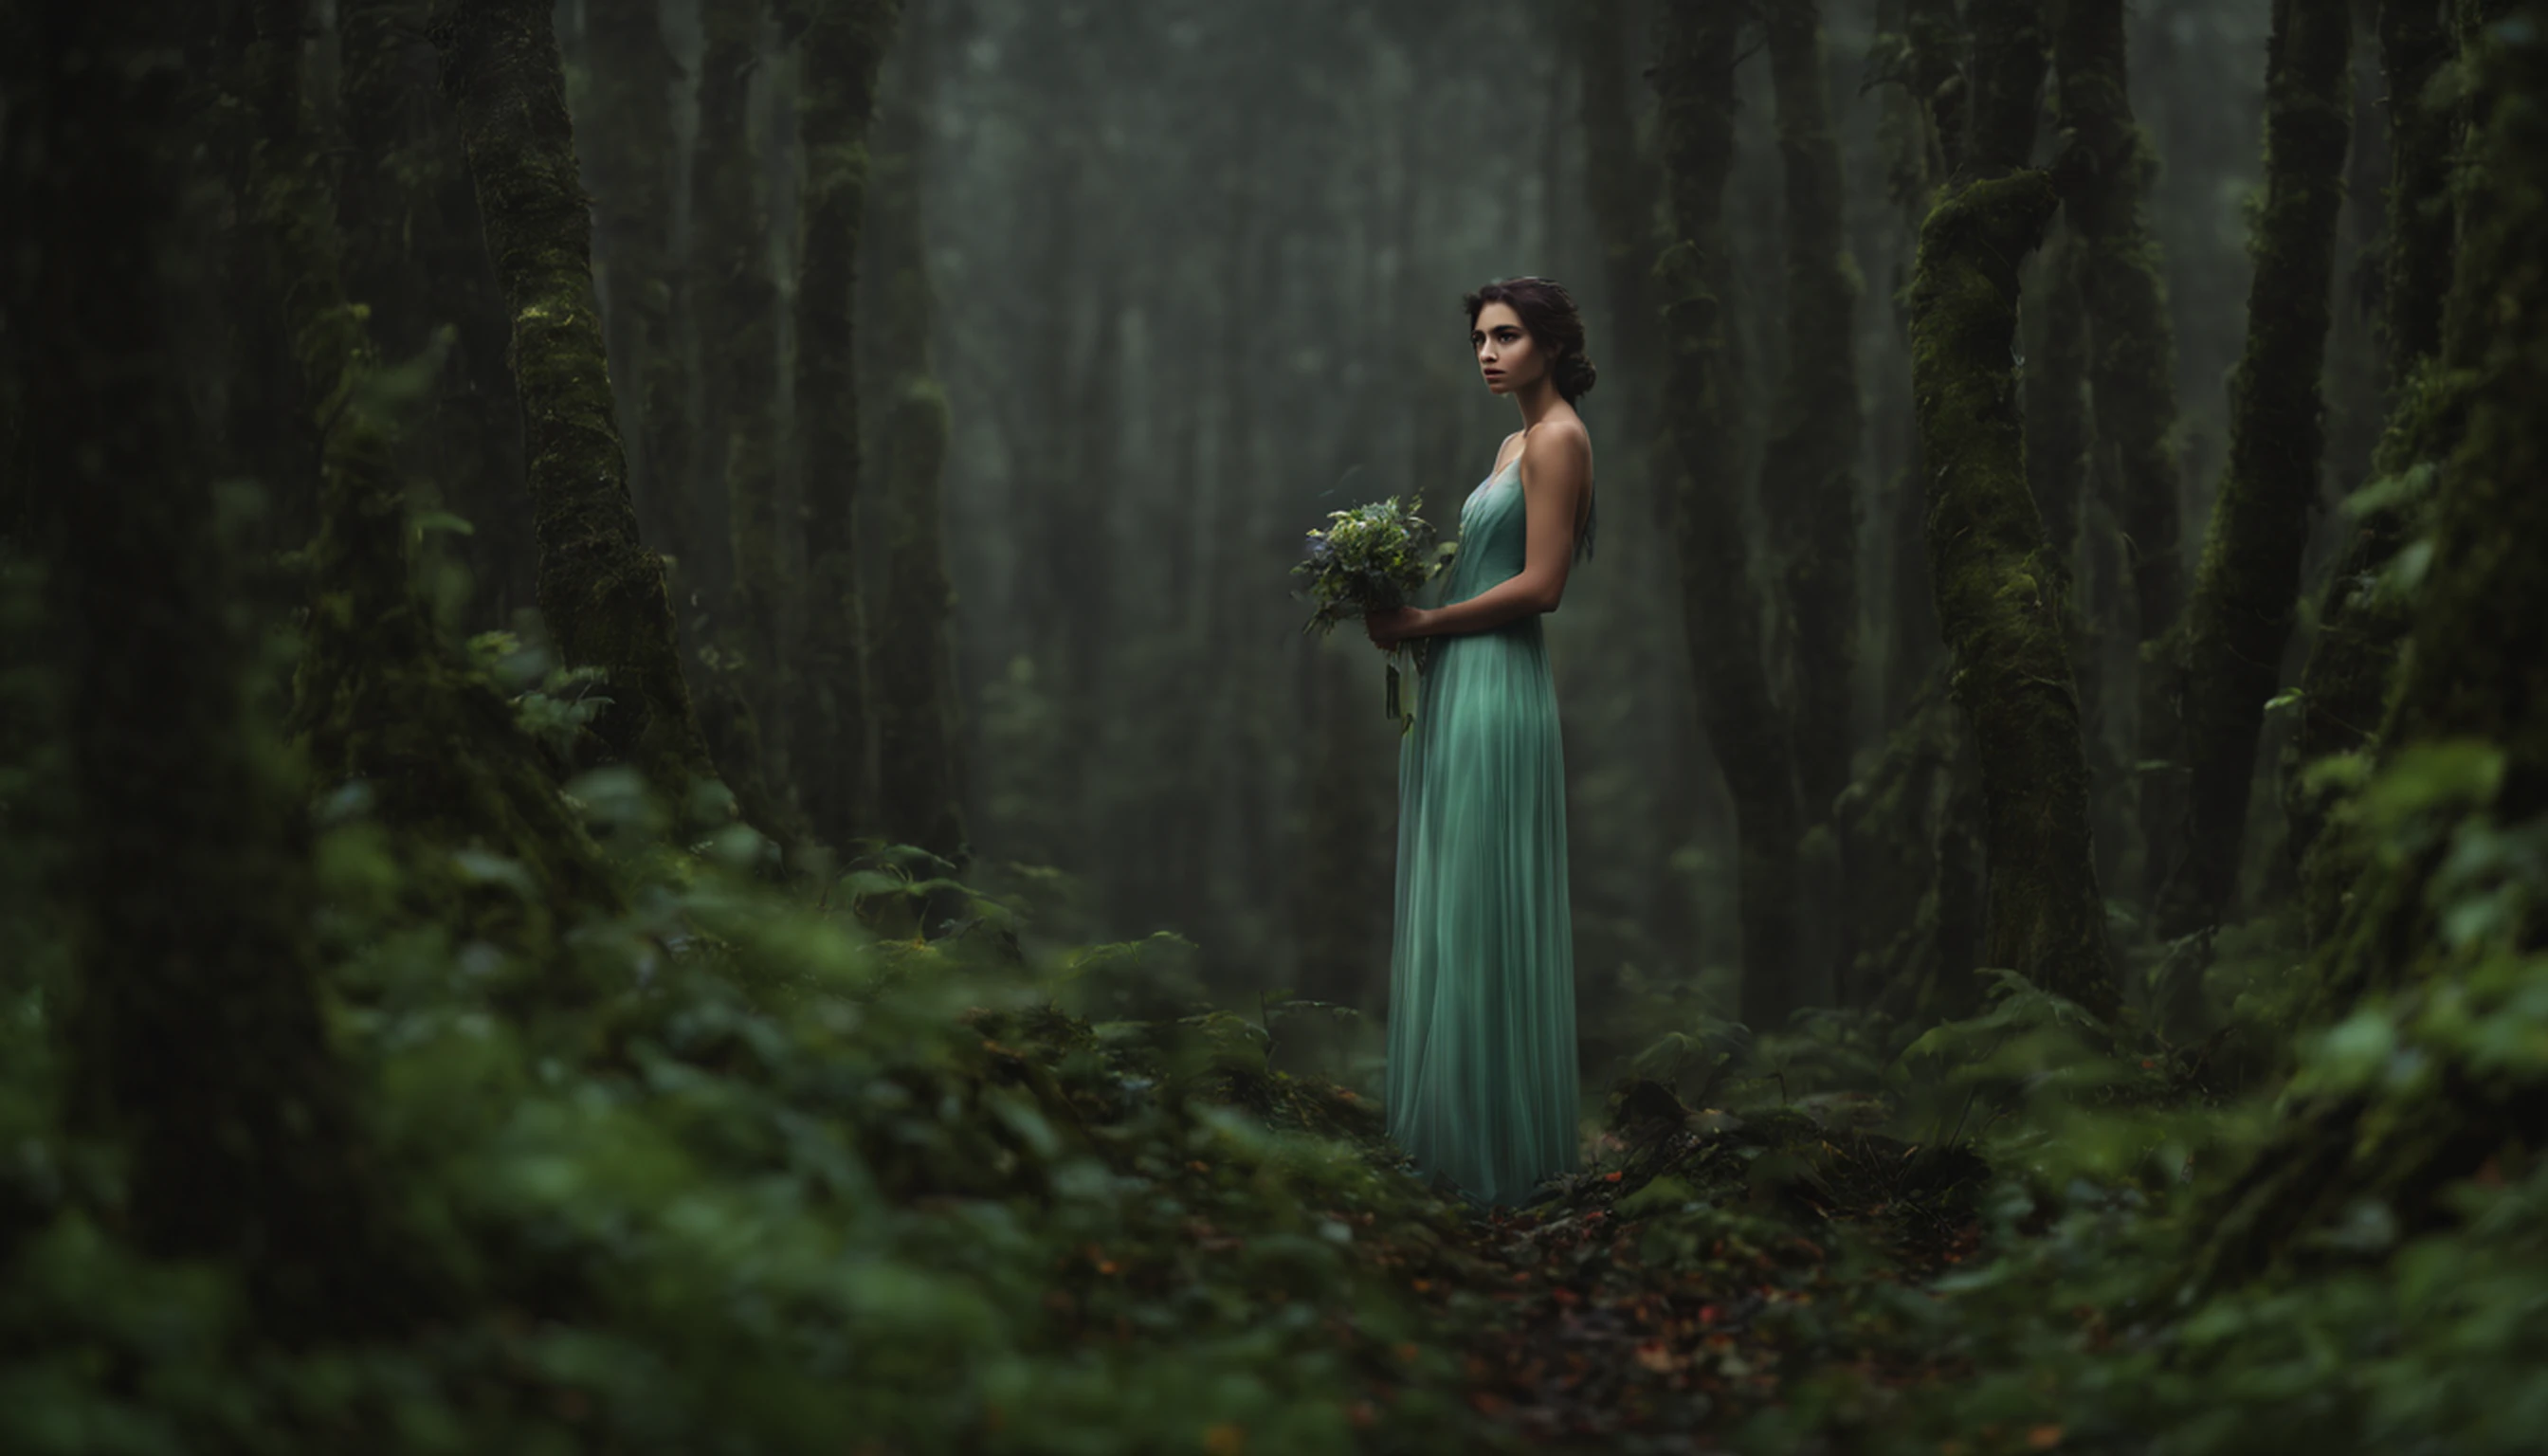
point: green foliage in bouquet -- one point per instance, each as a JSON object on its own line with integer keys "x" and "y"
{"x": 1368, "y": 559}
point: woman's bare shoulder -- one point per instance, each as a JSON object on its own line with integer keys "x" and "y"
{"x": 1551, "y": 441}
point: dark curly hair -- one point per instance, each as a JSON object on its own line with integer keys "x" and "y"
{"x": 1549, "y": 314}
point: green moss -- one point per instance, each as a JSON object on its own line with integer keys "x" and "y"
{"x": 1999, "y": 590}
{"x": 2344, "y": 687}
{"x": 2472, "y": 688}
{"x": 2248, "y": 586}
{"x": 381, "y": 701}
{"x": 600, "y": 593}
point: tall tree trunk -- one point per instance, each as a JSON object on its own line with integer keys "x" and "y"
{"x": 2473, "y": 697}
{"x": 2239, "y": 617}
{"x": 740, "y": 367}
{"x": 1913, "y": 826}
{"x": 1912, "y": 49}
{"x": 733, "y": 309}
{"x": 919, "y": 791}
{"x": 601, "y": 592}
{"x": 2106, "y": 166}
{"x": 416, "y": 259}
{"x": 627, "y": 157}
{"x": 2362, "y": 657}
{"x": 380, "y": 700}
{"x": 1809, "y": 472}
{"x": 1998, "y": 584}
{"x": 731, "y": 493}
{"x": 1623, "y": 185}
{"x": 1623, "y": 189}
{"x": 843, "y": 45}
{"x": 1938, "y": 44}
{"x": 195, "y": 1029}
{"x": 2055, "y": 401}
{"x": 1695, "y": 74}
{"x": 2361, "y": 624}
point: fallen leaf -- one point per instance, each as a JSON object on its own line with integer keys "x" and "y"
{"x": 2043, "y": 1437}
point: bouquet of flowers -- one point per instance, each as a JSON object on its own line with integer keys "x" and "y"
{"x": 1369, "y": 559}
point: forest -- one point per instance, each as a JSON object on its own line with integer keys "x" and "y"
{"x": 660, "y": 788}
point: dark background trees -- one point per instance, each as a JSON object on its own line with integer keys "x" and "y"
{"x": 502, "y": 478}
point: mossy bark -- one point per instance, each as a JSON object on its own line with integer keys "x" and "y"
{"x": 734, "y": 310}
{"x": 624, "y": 110}
{"x": 1695, "y": 74}
{"x": 600, "y": 592}
{"x": 2106, "y": 166}
{"x": 912, "y": 664}
{"x": 380, "y": 699}
{"x": 194, "y": 1031}
{"x": 731, "y": 504}
{"x": 2476, "y": 676}
{"x": 2427, "y": 422}
{"x": 2053, "y": 384}
{"x": 415, "y": 257}
{"x": 842, "y": 42}
{"x": 740, "y": 359}
{"x": 1810, "y": 470}
{"x": 1999, "y": 586}
{"x": 2055, "y": 401}
{"x": 1909, "y": 47}
{"x": 2344, "y": 687}
{"x": 1912, "y": 834}
{"x": 2239, "y": 617}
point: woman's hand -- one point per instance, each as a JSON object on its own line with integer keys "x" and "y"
{"x": 1394, "y": 626}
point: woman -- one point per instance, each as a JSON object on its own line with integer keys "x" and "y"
{"x": 1481, "y": 1073}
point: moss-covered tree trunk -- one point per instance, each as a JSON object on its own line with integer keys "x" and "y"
{"x": 1912, "y": 828}
{"x": 919, "y": 788}
{"x": 600, "y": 592}
{"x": 2360, "y": 624}
{"x": 625, "y": 111}
{"x": 2239, "y": 617}
{"x": 731, "y": 500}
{"x": 194, "y": 1031}
{"x": 1998, "y": 584}
{"x": 2106, "y": 165}
{"x": 734, "y": 308}
{"x": 842, "y": 42}
{"x": 380, "y": 698}
{"x": 416, "y": 259}
{"x": 740, "y": 354}
{"x": 1810, "y": 470}
{"x": 1906, "y": 52}
{"x": 2465, "y": 744}
{"x": 1720, "y": 606}
{"x": 2055, "y": 401}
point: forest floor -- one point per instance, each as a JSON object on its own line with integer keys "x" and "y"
{"x": 1704, "y": 1267}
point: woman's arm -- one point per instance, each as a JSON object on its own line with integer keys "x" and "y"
{"x": 1556, "y": 471}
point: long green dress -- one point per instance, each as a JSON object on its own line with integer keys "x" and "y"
{"x": 1482, "y": 1069}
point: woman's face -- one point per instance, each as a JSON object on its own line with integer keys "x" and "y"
{"x": 1508, "y": 357}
